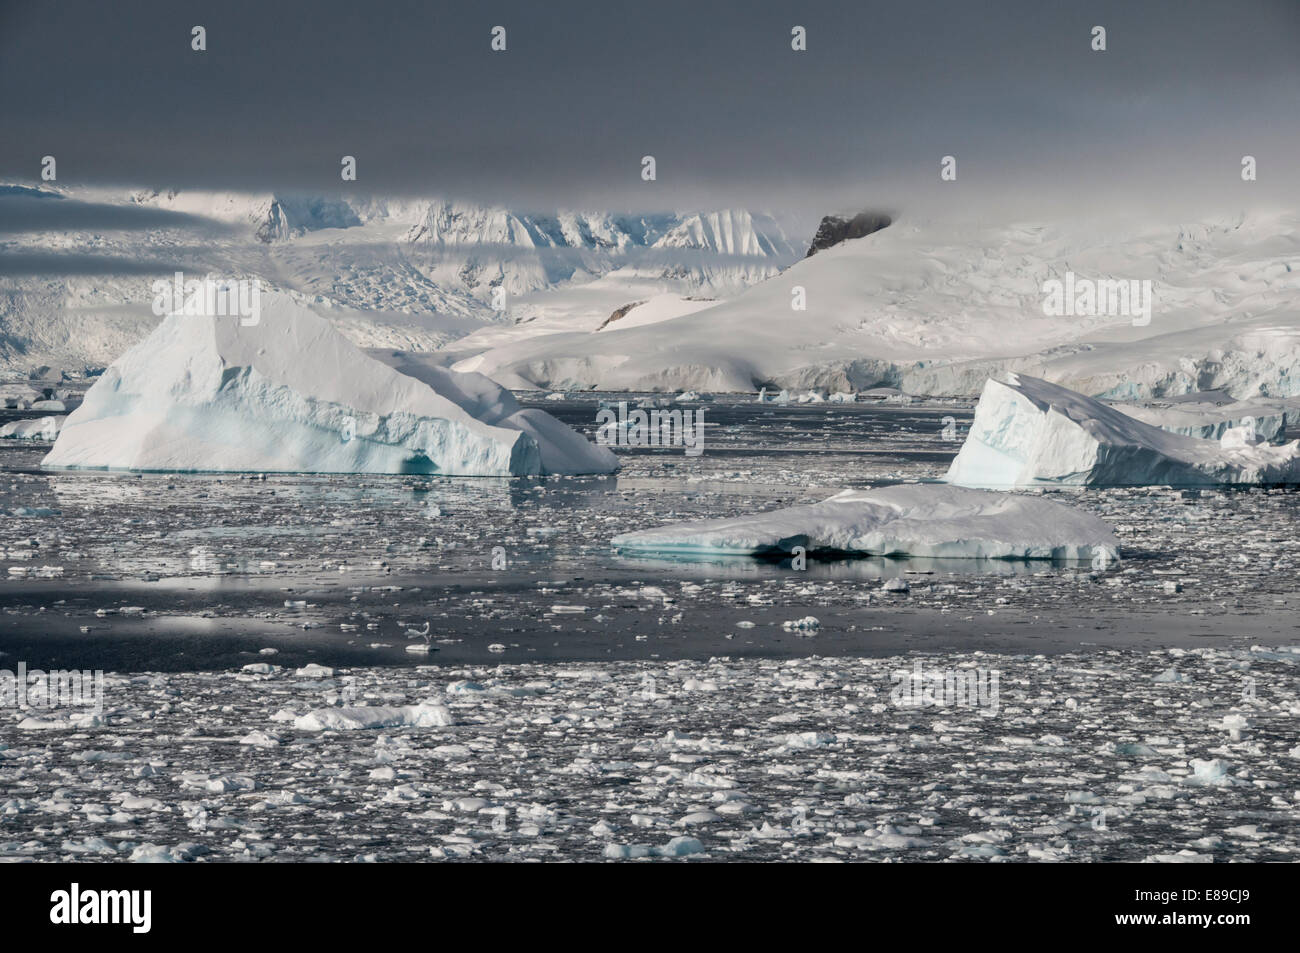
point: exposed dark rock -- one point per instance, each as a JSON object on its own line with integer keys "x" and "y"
{"x": 621, "y": 312}
{"x": 835, "y": 229}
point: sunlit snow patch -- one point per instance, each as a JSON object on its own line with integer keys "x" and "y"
{"x": 910, "y": 520}
{"x": 1028, "y": 432}
{"x": 290, "y": 394}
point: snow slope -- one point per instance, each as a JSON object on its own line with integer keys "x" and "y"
{"x": 936, "y": 308}
{"x": 292, "y": 394}
{"x": 924, "y": 520}
{"x": 1028, "y": 432}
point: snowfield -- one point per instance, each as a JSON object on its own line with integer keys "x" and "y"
{"x": 924, "y": 520}
{"x": 291, "y": 394}
{"x": 1028, "y": 432}
{"x": 1072, "y": 758}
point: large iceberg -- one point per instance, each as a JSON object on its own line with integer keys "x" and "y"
{"x": 923, "y": 520}
{"x": 1028, "y": 432}
{"x": 291, "y": 394}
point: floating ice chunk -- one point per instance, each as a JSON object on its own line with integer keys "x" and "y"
{"x": 1182, "y": 857}
{"x": 1212, "y": 773}
{"x": 677, "y": 847}
{"x": 680, "y": 847}
{"x": 916, "y": 520}
{"x": 42, "y": 428}
{"x": 1234, "y": 725}
{"x": 260, "y": 739}
{"x": 291, "y": 394}
{"x": 345, "y": 719}
{"x": 809, "y": 623}
{"x": 1028, "y": 432}
{"x": 157, "y": 854}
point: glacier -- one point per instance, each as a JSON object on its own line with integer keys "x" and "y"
{"x": 1029, "y": 432}
{"x": 291, "y": 394}
{"x": 922, "y": 520}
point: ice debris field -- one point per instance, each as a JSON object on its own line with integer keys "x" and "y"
{"x": 1169, "y": 756}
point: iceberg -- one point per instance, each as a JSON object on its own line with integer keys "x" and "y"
{"x": 290, "y": 394}
{"x": 40, "y": 428}
{"x": 921, "y": 520}
{"x": 1028, "y": 432}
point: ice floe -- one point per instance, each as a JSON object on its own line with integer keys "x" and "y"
{"x": 929, "y": 520}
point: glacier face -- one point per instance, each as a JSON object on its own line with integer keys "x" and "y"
{"x": 1028, "y": 432}
{"x": 920, "y": 520}
{"x": 290, "y": 394}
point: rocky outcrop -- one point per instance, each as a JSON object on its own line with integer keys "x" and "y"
{"x": 835, "y": 229}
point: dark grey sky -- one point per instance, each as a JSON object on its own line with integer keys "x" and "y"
{"x": 711, "y": 89}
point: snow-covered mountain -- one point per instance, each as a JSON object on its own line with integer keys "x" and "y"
{"x": 937, "y": 307}
{"x": 413, "y": 273}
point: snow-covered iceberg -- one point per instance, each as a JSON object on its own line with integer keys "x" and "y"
{"x": 291, "y": 394}
{"x": 924, "y": 520}
{"x": 1028, "y": 432}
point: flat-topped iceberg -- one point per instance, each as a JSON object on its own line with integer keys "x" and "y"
{"x": 291, "y": 394}
{"x": 923, "y": 520}
{"x": 1028, "y": 432}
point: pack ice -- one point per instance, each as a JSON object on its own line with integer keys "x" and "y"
{"x": 291, "y": 394}
{"x": 924, "y": 520}
{"x": 1028, "y": 432}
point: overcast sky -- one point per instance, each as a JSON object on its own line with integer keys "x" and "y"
{"x": 711, "y": 89}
